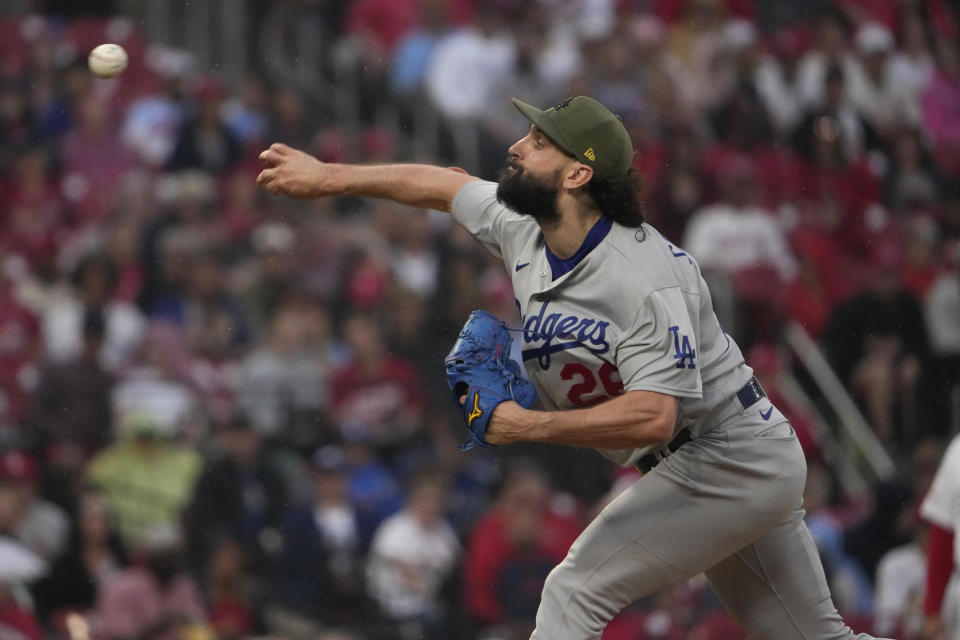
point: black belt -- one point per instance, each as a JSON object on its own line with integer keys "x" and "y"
{"x": 748, "y": 395}
{"x": 649, "y": 461}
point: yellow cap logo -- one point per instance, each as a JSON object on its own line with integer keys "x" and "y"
{"x": 591, "y": 156}
{"x": 477, "y": 411}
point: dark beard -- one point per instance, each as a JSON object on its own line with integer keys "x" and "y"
{"x": 528, "y": 195}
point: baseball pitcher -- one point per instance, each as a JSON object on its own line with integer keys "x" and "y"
{"x": 625, "y": 355}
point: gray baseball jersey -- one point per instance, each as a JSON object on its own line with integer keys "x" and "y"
{"x": 634, "y": 314}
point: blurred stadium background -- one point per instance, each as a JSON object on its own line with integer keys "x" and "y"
{"x": 222, "y": 414}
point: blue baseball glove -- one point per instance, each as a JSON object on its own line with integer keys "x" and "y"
{"x": 479, "y": 367}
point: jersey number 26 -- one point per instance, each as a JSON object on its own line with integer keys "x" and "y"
{"x": 587, "y": 382}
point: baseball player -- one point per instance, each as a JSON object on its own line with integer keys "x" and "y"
{"x": 626, "y": 355}
{"x": 941, "y": 508}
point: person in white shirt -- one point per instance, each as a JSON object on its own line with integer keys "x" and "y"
{"x": 735, "y": 233}
{"x": 942, "y": 313}
{"x": 412, "y": 554}
{"x": 93, "y": 282}
{"x": 898, "y": 596}
{"x": 830, "y": 49}
{"x": 873, "y": 89}
{"x": 466, "y": 67}
{"x": 912, "y": 65}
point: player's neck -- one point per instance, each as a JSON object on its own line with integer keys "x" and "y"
{"x": 566, "y": 235}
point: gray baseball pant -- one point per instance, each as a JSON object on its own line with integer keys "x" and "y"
{"x": 728, "y": 504}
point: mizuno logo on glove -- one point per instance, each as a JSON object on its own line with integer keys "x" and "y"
{"x": 476, "y": 412}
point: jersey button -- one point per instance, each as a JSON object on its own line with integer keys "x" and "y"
{"x": 543, "y": 274}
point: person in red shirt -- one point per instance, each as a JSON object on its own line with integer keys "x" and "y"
{"x": 382, "y": 23}
{"x": 19, "y": 348}
{"x": 16, "y": 622}
{"x": 377, "y": 393}
{"x": 512, "y": 548}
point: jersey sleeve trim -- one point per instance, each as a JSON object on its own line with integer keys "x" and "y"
{"x": 669, "y": 391}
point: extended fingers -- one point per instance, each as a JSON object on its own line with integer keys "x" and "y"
{"x": 269, "y": 157}
{"x": 266, "y": 178}
{"x": 276, "y": 152}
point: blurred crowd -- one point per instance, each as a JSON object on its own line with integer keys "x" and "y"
{"x": 223, "y": 414}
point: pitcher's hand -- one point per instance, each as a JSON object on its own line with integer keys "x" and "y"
{"x": 293, "y": 173}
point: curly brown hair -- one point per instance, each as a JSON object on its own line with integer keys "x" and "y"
{"x": 618, "y": 197}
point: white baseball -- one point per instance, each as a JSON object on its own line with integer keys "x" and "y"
{"x": 107, "y": 60}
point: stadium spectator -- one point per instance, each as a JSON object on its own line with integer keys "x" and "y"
{"x": 93, "y": 558}
{"x": 19, "y": 349}
{"x": 152, "y": 120}
{"x": 381, "y": 24}
{"x": 229, "y": 598}
{"x": 878, "y": 342}
{"x": 900, "y": 583}
{"x": 159, "y": 385}
{"x": 830, "y": 49}
{"x": 849, "y": 582}
{"x": 243, "y": 212}
{"x": 146, "y": 478}
{"x": 239, "y": 496}
{"x": 35, "y": 221}
{"x": 412, "y": 554}
{"x": 735, "y": 234}
{"x": 245, "y": 115}
{"x": 942, "y": 316}
{"x": 72, "y": 399}
{"x": 891, "y": 520}
{"x": 204, "y": 141}
{"x": 941, "y": 106}
{"x": 414, "y": 259}
{"x": 683, "y": 187}
{"x": 693, "y": 42}
{"x": 512, "y": 548}
{"x": 921, "y": 262}
{"x": 322, "y": 544}
{"x": 122, "y": 241}
{"x": 911, "y": 63}
{"x": 873, "y": 89}
{"x": 775, "y": 80}
{"x": 291, "y": 122}
{"x": 93, "y": 282}
{"x": 94, "y": 160}
{"x": 468, "y": 64}
{"x": 414, "y": 51}
{"x": 284, "y": 386}
{"x": 373, "y": 486}
{"x": 38, "y": 524}
{"x": 209, "y": 315}
{"x": 912, "y": 181}
{"x": 376, "y": 392}
{"x": 16, "y": 620}
{"x": 154, "y": 597}
{"x": 816, "y": 289}
{"x": 744, "y": 244}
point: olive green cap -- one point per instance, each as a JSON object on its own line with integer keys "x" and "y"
{"x": 587, "y": 130}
